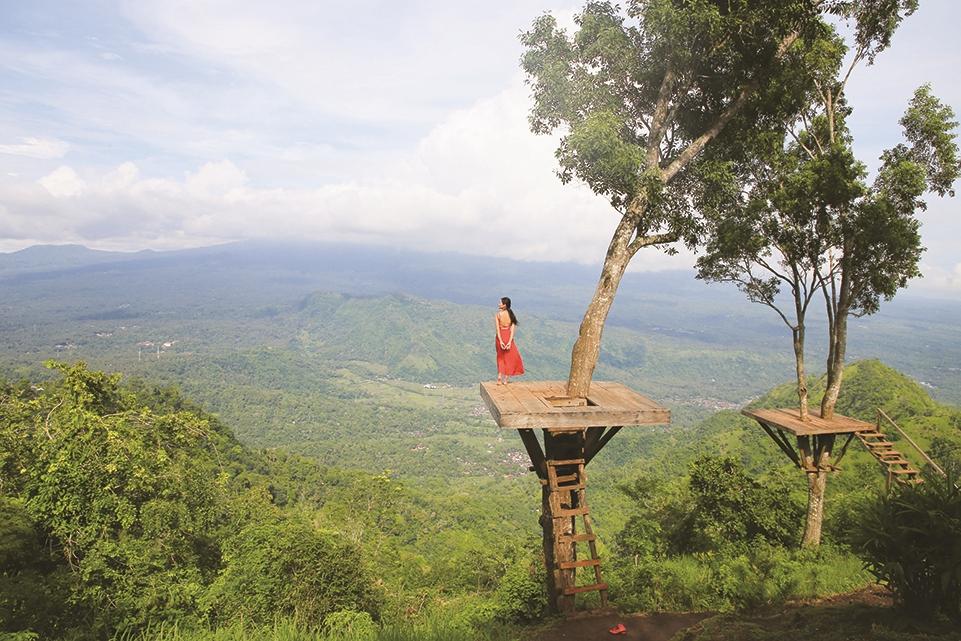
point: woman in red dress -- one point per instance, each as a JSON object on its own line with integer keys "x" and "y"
{"x": 509, "y": 361}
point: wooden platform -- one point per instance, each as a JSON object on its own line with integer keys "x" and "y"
{"x": 789, "y": 421}
{"x": 542, "y": 405}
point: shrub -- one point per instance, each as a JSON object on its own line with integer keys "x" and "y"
{"x": 289, "y": 568}
{"x": 350, "y": 623}
{"x": 729, "y": 507}
{"x": 910, "y": 541}
{"x": 521, "y": 596}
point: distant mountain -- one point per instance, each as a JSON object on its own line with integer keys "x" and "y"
{"x": 45, "y": 258}
{"x": 700, "y": 341}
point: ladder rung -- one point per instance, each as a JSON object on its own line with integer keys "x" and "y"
{"x": 571, "y": 538}
{"x": 563, "y": 478}
{"x": 907, "y": 471}
{"x": 561, "y": 488}
{"x": 577, "y": 511}
{"x": 573, "y": 461}
{"x": 585, "y": 588}
{"x": 586, "y": 563}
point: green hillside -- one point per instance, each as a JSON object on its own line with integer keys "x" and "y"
{"x": 128, "y": 504}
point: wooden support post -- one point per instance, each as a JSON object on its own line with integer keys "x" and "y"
{"x": 844, "y": 449}
{"x": 782, "y": 443}
{"x": 533, "y": 447}
{"x": 560, "y": 447}
{"x": 591, "y": 452}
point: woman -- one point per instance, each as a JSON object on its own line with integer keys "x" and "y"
{"x": 509, "y": 361}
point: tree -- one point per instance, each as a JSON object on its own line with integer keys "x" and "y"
{"x": 638, "y": 98}
{"x": 876, "y": 241}
{"x": 806, "y": 220}
{"x": 129, "y": 500}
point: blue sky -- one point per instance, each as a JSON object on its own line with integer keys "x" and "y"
{"x": 175, "y": 123}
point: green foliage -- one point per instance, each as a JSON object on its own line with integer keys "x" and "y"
{"x": 34, "y": 587}
{"x": 350, "y": 624}
{"x": 638, "y": 96}
{"x": 126, "y": 494}
{"x": 521, "y": 595}
{"x": 856, "y": 617}
{"x": 727, "y": 507}
{"x": 910, "y": 540}
{"x": 733, "y": 579}
{"x": 289, "y": 568}
{"x": 126, "y": 515}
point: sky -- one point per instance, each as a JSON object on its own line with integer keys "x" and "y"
{"x": 167, "y": 124}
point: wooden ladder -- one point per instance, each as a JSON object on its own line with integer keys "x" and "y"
{"x": 898, "y": 468}
{"x": 567, "y": 501}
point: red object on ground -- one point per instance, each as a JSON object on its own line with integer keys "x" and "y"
{"x": 509, "y": 361}
{"x": 618, "y": 629}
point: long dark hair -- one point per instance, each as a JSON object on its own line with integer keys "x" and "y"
{"x": 510, "y": 312}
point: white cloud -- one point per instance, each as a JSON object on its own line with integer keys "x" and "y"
{"x": 479, "y": 182}
{"x": 63, "y": 182}
{"x": 367, "y": 61}
{"x": 939, "y": 279}
{"x": 43, "y": 148}
{"x": 400, "y": 123}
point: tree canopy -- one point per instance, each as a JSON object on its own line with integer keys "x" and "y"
{"x": 637, "y": 97}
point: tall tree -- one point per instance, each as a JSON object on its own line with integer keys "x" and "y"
{"x": 807, "y": 221}
{"x": 876, "y": 241}
{"x": 638, "y": 97}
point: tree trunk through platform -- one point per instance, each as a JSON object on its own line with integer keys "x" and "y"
{"x": 559, "y": 447}
{"x": 815, "y": 458}
{"x": 587, "y": 348}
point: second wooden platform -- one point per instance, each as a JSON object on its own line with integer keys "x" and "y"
{"x": 790, "y": 421}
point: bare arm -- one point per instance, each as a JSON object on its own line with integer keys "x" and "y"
{"x": 497, "y": 331}
{"x": 510, "y": 341}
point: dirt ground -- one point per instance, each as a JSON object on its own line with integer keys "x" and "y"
{"x": 663, "y": 626}
{"x": 640, "y": 627}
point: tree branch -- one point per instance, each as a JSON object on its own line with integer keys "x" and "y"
{"x": 652, "y": 239}
{"x": 712, "y": 132}
{"x": 801, "y": 144}
{"x": 659, "y": 119}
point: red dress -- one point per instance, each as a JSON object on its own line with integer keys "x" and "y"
{"x": 509, "y": 361}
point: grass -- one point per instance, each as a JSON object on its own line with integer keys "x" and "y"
{"x": 436, "y": 629}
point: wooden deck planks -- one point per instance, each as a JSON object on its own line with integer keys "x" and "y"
{"x": 523, "y": 406}
{"x": 789, "y": 421}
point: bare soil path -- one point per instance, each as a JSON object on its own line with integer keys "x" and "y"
{"x": 640, "y": 627}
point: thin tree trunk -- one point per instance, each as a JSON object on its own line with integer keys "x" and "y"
{"x": 802, "y": 384}
{"x": 838, "y": 344}
{"x": 817, "y": 483}
{"x": 587, "y": 348}
{"x": 835, "y": 366}
{"x": 550, "y": 560}
{"x": 816, "y": 465}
